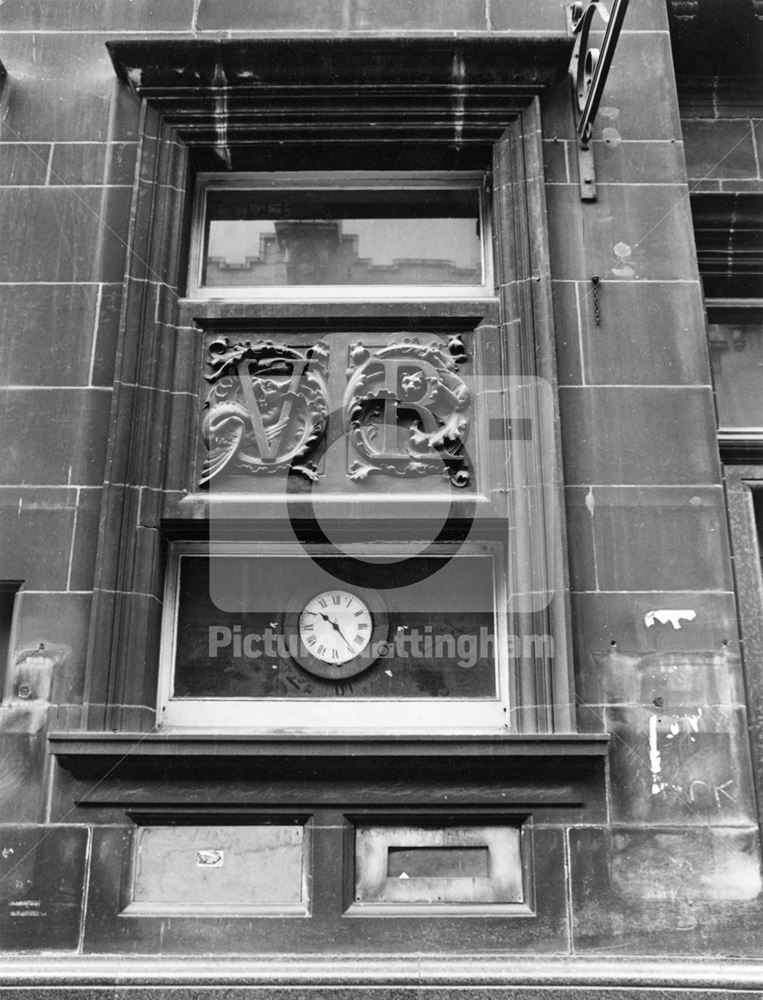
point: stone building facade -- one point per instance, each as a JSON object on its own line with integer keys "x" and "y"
{"x": 557, "y": 447}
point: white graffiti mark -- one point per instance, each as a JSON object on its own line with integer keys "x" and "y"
{"x": 715, "y": 790}
{"x": 665, "y": 615}
{"x": 655, "y": 758}
{"x": 686, "y": 724}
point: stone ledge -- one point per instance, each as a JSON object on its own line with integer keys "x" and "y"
{"x": 89, "y": 754}
{"x": 357, "y": 971}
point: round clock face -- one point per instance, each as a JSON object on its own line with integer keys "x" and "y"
{"x": 336, "y": 626}
{"x": 336, "y": 633}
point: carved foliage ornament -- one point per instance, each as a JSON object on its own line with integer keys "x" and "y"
{"x": 408, "y": 410}
{"x": 266, "y": 409}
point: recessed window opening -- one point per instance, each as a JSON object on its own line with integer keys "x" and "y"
{"x": 735, "y": 334}
{"x": 344, "y": 233}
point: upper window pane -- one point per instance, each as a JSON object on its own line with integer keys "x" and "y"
{"x": 342, "y": 232}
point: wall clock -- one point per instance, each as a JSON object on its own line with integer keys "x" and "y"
{"x": 336, "y": 633}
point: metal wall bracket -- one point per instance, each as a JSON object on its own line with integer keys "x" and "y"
{"x": 589, "y": 68}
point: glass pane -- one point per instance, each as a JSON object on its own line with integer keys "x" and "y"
{"x": 433, "y": 648}
{"x": 736, "y": 352}
{"x": 342, "y": 237}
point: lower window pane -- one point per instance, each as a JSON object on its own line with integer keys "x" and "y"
{"x": 234, "y": 640}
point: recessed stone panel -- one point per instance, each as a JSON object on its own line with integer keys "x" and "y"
{"x": 432, "y": 869}
{"x": 221, "y": 869}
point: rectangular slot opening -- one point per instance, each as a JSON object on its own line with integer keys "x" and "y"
{"x": 438, "y": 862}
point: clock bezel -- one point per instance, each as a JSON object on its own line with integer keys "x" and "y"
{"x": 335, "y": 671}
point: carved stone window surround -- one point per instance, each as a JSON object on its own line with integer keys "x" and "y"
{"x": 411, "y": 107}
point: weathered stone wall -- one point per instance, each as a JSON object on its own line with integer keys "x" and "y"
{"x": 646, "y": 521}
{"x": 674, "y": 869}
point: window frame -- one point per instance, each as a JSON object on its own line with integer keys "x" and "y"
{"x": 346, "y": 714}
{"x": 491, "y": 121}
{"x": 747, "y": 441}
{"x": 339, "y": 181}
{"x": 742, "y": 483}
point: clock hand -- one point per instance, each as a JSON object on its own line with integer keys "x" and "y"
{"x": 347, "y": 644}
{"x": 320, "y": 614}
{"x": 333, "y": 625}
{"x": 324, "y": 617}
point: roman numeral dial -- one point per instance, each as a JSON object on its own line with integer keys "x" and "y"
{"x": 335, "y": 633}
{"x": 336, "y": 626}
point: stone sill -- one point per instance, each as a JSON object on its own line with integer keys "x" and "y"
{"x": 88, "y": 754}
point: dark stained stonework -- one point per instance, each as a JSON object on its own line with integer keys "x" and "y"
{"x": 41, "y": 887}
{"x": 545, "y": 932}
{"x": 658, "y": 892}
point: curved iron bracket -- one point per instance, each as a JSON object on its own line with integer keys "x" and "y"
{"x": 589, "y": 68}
